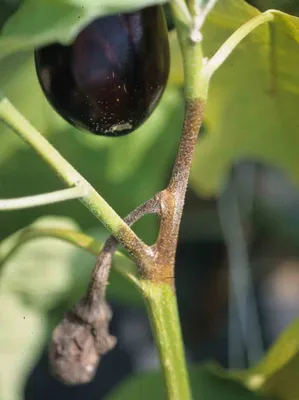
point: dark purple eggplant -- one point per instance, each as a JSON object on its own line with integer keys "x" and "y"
{"x": 110, "y": 79}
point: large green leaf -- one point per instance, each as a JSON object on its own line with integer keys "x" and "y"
{"x": 40, "y": 276}
{"x": 207, "y": 384}
{"x": 252, "y": 110}
{"x": 36, "y": 279}
{"x": 57, "y": 20}
{"x": 22, "y": 335}
{"x": 47, "y": 271}
{"x": 42, "y": 271}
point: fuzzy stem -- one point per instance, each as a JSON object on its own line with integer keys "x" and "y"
{"x": 163, "y": 313}
{"x": 192, "y": 122}
{"x": 174, "y": 196}
{"x": 158, "y": 285}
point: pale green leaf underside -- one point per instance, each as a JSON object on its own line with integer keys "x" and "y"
{"x": 252, "y": 110}
{"x": 35, "y": 279}
{"x": 39, "y": 276}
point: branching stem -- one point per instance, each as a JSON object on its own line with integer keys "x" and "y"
{"x": 97, "y": 288}
{"x": 172, "y": 200}
{"x": 72, "y": 178}
{"x": 200, "y": 15}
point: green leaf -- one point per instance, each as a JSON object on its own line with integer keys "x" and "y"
{"x": 33, "y": 281}
{"x": 66, "y": 269}
{"x": 57, "y": 20}
{"x": 42, "y": 276}
{"x": 252, "y": 105}
{"x": 22, "y": 336}
{"x": 17, "y": 79}
{"x": 42, "y": 271}
{"x": 7, "y": 7}
{"x": 277, "y": 374}
{"x": 108, "y": 6}
{"x": 207, "y": 383}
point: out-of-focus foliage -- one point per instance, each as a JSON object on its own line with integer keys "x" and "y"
{"x": 289, "y": 6}
{"x": 23, "y": 332}
{"x": 35, "y": 280}
{"x": 208, "y": 383}
{"x": 7, "y": 7}
{"x": 42, "y": 275}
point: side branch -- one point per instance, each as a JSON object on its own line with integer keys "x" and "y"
{"x": 97, "y": 288}
{"x": 234, "y": 40}
{"x": 82, "y": 337}
{"x": 58, "y": 196}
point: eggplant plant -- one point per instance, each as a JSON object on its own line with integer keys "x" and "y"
{"x": 104, "y": 67}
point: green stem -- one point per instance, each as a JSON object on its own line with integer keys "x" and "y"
{"x": 185, "y": 15}
{"x": 233, "y": 41}
{"x": 193, "y": 62}
{"x": 159, "y": 292}
{"x": 42, "y": 199}
{"x": 163, "y": 313}
{"x": 92, "y": 200}
{"x": 121, "y": 263}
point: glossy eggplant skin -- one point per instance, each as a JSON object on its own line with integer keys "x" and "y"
{"x": 113, "y": 75}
